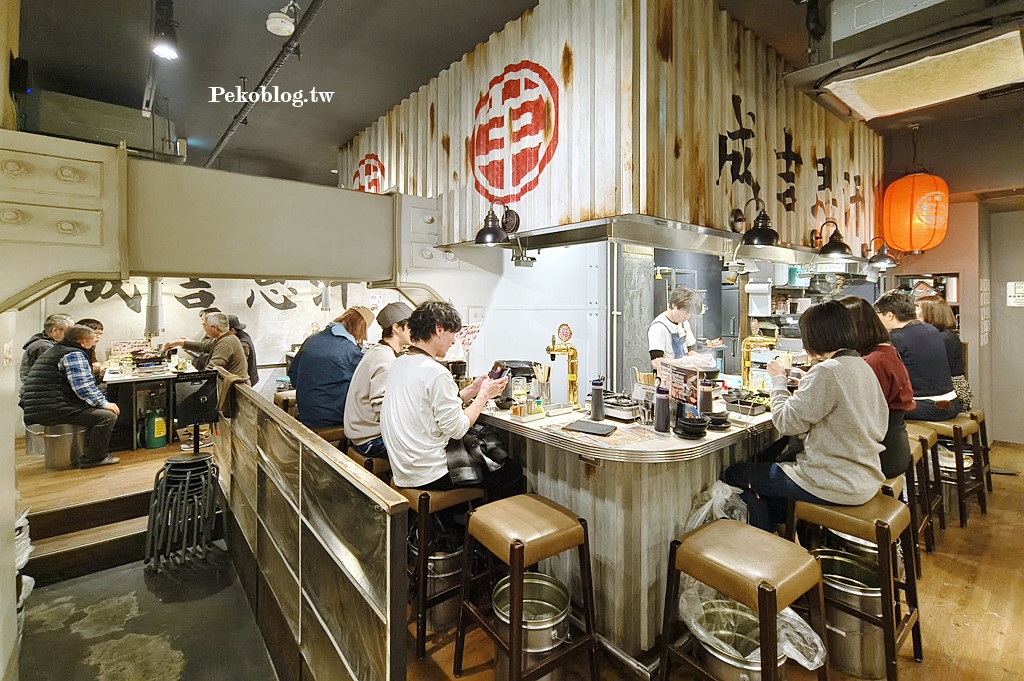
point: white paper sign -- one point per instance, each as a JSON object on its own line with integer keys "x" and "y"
{"x": 1015, "y": 294}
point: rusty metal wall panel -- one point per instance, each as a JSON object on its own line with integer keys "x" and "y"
{"x": 319, "y": 651}
{"x": 455, "y": 137}
{"x": 724, "y": 127}
{"x": 355, "y": 627}
{"x": 245, "y": 425}
{"x": 280, "y": 518}
{"x": 279, "y": 576}
{"x": 279, "y": 457}
{"x": 244, "y": 510}
{"x": 243, "y": 467}
{"x": 353, "y": 528}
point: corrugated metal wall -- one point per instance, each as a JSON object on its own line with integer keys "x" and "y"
{"x": 589, "y": 108}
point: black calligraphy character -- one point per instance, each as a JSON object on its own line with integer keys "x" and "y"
{"x": 823, "y": 169}
{"x": 792, "y": 160}
{"x": 739, "y": 159}
{"x": 198, "y": 298}
{"x": 94, "y": 290}
{"x": 285, "y": 303}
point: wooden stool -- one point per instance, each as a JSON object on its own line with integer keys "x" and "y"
{"x": 967, "y": 482}
{"x": 424, "y": 503}
{"x": 894, "y": 487}
{"x": 764, "y": 572}
{"x": 932, "y": 479}
{"x": 285, "y": 399}
{"x": 334, "y": 435}
{"x": 880, "y": 520}
{"x": 979, "y": 416}
{"x": 521, "y": 531}
{"x": 378, "y": 466}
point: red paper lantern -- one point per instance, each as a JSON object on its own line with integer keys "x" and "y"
{"x": 915, "y": 212}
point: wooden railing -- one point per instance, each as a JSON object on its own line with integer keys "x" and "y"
{"x": 319, "y": 545}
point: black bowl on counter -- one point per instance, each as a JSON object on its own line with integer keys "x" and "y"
{"x": 691, "y": 428}
{"x": 718, "y": 419}
{"x": 504, "y": 403}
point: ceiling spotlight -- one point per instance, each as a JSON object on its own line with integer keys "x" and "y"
{"x": 165, "y": 40}
{"x": 282, "y": 22}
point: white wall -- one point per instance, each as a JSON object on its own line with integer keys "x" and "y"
{"x": 8, "y": 494}
{"x": 1004, "y": 412}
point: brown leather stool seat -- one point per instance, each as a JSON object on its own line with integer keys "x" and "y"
{"x": 978, "y": 414}
{"x": 881, "y": 520}
{"x": 285, "y": 399}
{"x": 333, "y": 434}
{"x": 762, "y": 571}
{"x": 930, "y": 478}
{"x": 968, "y": 481}
{"x": 376, "y": 465}
{"x": 424, "y": 503}
{"x": 522, "y": 531}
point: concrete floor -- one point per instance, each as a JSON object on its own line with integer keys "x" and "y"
{"x": 125, "y": 624}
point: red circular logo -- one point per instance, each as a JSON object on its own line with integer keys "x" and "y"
{"x": 369, "y": 175}
{"x": 515, "y": 131}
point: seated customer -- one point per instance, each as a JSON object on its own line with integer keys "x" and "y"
{"x": 423, "y": 409}
{"x": 874, "y": 346}
{"x": 323, "y": 368}
{"x": 924, "y": 354}
{"x": 53, "y": 333}
{"x": 224, "y": 349}
{"x": 366, "y": 391}
{"x": 60, "y": 389}
{"x": 842, "y": 413}
{"x": 236, "y": 329}
{"x": 97, "y": 326}
{"x": 937, "y": 312}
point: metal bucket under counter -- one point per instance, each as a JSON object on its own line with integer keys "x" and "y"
{"x": 635, "y": 491}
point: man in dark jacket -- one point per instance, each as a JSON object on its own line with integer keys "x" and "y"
{"x": 53, "y": 333}
{"x": 60, "y": 389}
{"x": 235, "y": 328}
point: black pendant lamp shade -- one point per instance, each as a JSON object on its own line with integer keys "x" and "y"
{"x": 882, "y": 260}
{"x": 761, "y": 234}
{"x": 836, "y": 248}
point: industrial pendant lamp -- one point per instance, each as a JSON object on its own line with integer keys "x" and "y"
{"x": 915, "y": 210}
{"x": 835, "y": 248}
{"x": 761, "y": 234}
{"x": 165, "y": 40}
{"x": 496, "y": 231}
{"x": 882, "y": 259}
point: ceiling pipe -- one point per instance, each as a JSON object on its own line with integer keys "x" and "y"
{"x": 290, "y": 47}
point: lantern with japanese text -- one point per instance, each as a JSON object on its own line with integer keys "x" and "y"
{"x": 915, "y": 213}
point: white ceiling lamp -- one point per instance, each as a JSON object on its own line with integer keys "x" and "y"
{"x": 955, "y": 69}
{"x": 282, "y": 22}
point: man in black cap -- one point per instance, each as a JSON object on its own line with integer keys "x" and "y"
{"x": 236, "y": 328}
{"x": 366, "y": 391}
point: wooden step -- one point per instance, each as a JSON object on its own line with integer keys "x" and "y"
{"x": 76, "y": 517}
{"x": 65, "y": 556}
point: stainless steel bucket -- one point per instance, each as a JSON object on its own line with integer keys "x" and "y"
{"x": 738, "y": 627}
{"x": 63, "y": 446}
{"x": 444, "y": 570}
{"x": 545, "y": 611}
{"x": 855, "y": 647}
{"x": 34, "y": 441}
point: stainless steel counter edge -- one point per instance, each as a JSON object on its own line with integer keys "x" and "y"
{"x": 665, "y": 450}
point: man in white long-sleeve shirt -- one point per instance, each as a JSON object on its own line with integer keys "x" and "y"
{"x": 423, "y": 407}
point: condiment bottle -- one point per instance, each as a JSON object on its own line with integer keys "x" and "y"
{"x": 704, "y": 399}
{"x": 661, "y": 410}
{"x": 597, "y": 399}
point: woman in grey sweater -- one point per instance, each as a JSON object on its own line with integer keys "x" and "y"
{"x": 840, "y": 412}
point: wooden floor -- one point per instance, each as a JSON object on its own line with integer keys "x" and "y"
{"x": 972, "y": 604}
{"x": 46, "y": 490}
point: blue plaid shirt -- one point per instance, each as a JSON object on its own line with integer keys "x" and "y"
{"x": 77, "y": 368}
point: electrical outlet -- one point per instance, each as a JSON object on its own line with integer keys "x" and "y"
{"x": 476, "y": 314}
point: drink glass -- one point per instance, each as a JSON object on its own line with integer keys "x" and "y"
{"x": 519, "y": 387}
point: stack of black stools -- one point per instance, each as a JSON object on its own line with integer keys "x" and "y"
{"x": 182, "y": 510}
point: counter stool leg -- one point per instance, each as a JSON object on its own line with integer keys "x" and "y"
{"x": 587, "y": 579}
{"x": 984, "y": 453}
{"x": 883, "y": 538}
{"x": 911, "y": 487}
{"x": 924, "y": 498}
{"x": 961, "y": 475}
{"x": 911, "y": 591}
{"x": 766, "y": 615}
{"x": 671, "y": 603}
{"x": 460, "y": 631}
{"x": 979, "y": 471}
{"x": 816, "y": 613}
{"x": 423, "y": 547}
{"x": 936, "y": 479}
{"x": 515, "y": 612}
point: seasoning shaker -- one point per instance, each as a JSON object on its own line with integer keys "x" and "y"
{"x": 597, "y": 399}
{"x": 661, "y": 417}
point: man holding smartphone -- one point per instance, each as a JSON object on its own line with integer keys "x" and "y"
{"x": 423, "y": 408}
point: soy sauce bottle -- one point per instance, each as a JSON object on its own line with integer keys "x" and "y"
{"x": 597, "y": 399}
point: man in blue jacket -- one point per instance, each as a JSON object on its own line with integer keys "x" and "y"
{"x": 322, "y": 369}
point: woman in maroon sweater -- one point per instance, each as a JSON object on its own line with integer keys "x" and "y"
{"x": 881, "y": 356}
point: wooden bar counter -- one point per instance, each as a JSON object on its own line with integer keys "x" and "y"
{"x": 634, "y": 488}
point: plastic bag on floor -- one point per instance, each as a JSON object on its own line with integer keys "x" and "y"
{"x": 22, "y": 543}
{"x": 704, "y": 611}
{"x": 718, "y": 501}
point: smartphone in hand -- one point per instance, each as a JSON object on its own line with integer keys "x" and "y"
{"x": 498, "y": 371}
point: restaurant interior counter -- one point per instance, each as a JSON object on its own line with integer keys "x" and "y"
{"x": 634, "y": 487}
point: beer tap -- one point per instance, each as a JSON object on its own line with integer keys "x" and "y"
{"x": 562, "y": 346}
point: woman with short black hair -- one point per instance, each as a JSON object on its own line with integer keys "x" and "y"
{"x": 876, "y": 349}
{"x": 841, "y": 413}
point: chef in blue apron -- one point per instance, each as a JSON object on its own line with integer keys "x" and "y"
{"x": 670, "y": 335}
